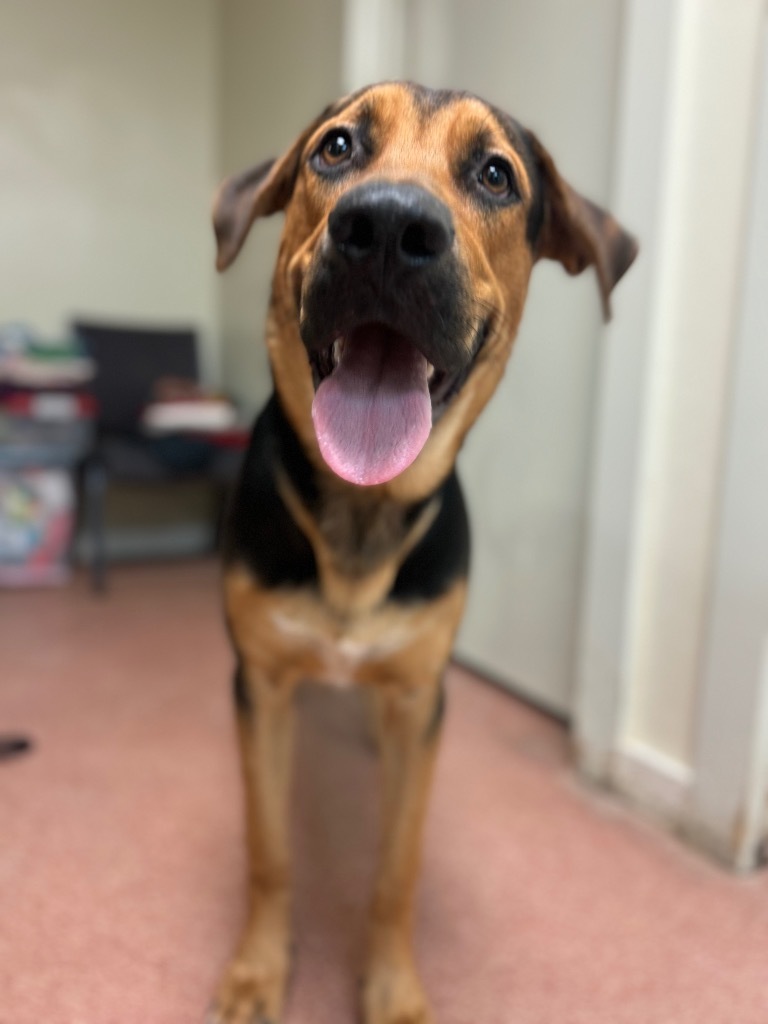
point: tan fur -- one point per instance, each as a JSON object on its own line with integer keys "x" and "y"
{"x": 392, "y": 643}
{"x": 345, "y": 630}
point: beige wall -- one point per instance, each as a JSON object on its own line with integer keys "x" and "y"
{"x": 280, "y": 65}
{"x": 108, "y": 162}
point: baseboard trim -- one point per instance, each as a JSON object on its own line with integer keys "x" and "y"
{"x": 659, "y": 783}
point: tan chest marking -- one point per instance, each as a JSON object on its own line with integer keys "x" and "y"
{"x": 339, "y": 658}
{"x": 293, "y": 635}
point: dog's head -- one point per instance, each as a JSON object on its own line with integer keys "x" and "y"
{"x": 412, "y": 221}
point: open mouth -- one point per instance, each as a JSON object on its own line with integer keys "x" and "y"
{"x": 377, "y": 397}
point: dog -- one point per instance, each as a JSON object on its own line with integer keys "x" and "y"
{"x": 413, "y": 219}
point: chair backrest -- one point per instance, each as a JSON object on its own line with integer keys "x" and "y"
{"x": 128, "y": 362}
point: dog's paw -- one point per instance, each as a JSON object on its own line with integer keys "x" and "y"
{"x": 393, "y": 994}
{"x": 251, "y": 992}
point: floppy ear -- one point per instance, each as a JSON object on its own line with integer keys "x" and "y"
{"x": 578, "y": 233}
{"x": 257, "y": 192}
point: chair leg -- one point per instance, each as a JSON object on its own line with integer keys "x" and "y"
{"x": 95, "y": 493}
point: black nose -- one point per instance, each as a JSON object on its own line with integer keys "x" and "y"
{"x": 397, "y": 221}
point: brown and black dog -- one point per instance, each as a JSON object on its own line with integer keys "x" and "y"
{"x": 413, "y": 219}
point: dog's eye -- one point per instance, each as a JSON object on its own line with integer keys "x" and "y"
{"x": 336, "y": 147}
{"x": 496, "y": 177}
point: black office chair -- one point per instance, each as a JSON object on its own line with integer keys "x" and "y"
{"x": 129, "y": 361}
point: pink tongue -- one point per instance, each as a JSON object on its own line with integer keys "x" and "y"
{"x": 373, "y": 414}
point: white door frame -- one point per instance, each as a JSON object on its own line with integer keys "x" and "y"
{"x": 643, "y": 178}
{"x": 374, "y": 43}
{"x": 656, "y": 717}
{"x": 382, "y": 41}
{"x": 729, "y": 805}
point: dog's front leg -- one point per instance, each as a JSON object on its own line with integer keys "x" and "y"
{"x": 253, "y": 988}
{"x": 408, "y": 720}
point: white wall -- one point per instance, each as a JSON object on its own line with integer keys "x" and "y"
{"x": 280, "y": 65}
{"x": 108, "y": 163}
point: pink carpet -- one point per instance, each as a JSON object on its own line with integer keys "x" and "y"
{"x": 121, "y": 861}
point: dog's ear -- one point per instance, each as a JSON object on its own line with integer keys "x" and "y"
{"x": 257, "y": 192}
{"x": 578, "y": 233}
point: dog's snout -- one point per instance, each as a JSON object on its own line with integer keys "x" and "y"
{"x": 402, "y": 222}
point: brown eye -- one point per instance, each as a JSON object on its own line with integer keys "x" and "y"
{"x": 336, "y": 147}
{"x": 496, "y": 177}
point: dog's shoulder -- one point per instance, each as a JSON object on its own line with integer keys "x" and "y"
{"x": 442, "y": 555}
{"x": 259, "y": 531}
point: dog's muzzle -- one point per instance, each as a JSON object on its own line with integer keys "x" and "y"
{"x": 384, "y": 320}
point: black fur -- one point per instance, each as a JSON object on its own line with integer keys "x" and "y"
{"x": 260, "y": 530}
{"x": 442, "y": 556}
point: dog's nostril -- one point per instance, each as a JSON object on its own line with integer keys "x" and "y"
{"x": 353, "y": 233}
{"x": 414, "y": 242}
{"x": 424, "y": 240}
{"x": 361, "y": 233}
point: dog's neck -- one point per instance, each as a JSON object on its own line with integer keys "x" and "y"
{"x": 360, "y": 535}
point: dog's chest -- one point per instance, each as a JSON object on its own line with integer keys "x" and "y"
{"x": 291, "y": 634}
{"x": 335, "y": 653}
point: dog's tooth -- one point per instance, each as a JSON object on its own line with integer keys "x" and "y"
{"x": 430, "y": 372}
{"x": 336, "y": 351}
